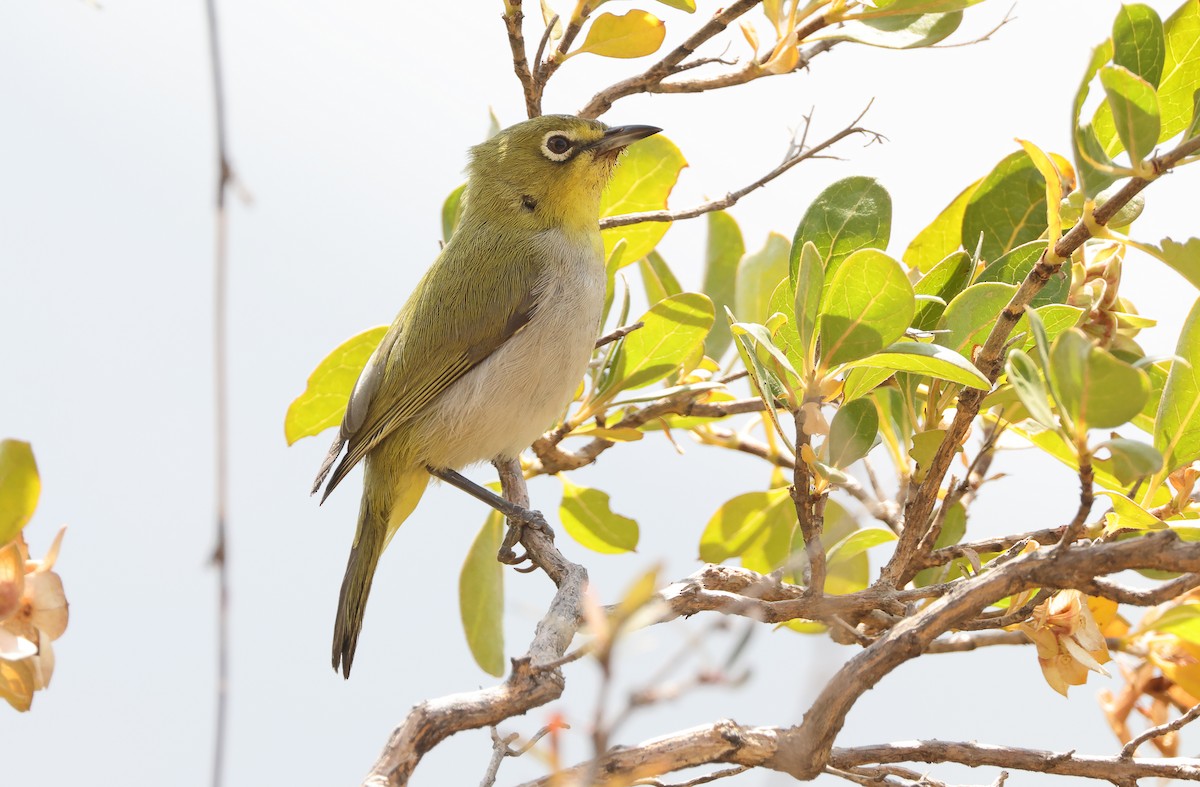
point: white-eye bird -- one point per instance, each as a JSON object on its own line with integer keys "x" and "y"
{"x": 493, "y": 342}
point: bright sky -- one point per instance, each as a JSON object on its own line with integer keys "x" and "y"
{"x": 348, "y": 126}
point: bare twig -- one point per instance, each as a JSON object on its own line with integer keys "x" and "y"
{"x": 706, "y": 779}
{"x": 1011, "y": 757}
{"x": 220, "y": 554}
{"x": 732, "y": 197}
{"x": 514, "y": 18}
{"x": 1162, "y": 729}
{"x": 1086, "y": 498}
{"x": 968, "y": 641}
{"x": 609, "y": 338}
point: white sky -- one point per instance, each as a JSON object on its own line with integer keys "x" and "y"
{"x": 348, "y": 124}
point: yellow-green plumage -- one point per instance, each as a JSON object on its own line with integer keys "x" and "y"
{"x": 491, "y": 345}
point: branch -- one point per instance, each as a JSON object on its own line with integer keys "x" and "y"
{"x": 603, "y": 101}
{"x": 732, "y": 197}
{"x": 807, "y": 746}
{"x": 1162, "y": 729}
{"x": 220, "y": 553}
{"x": 728, "y": 742}
{"x": 535, "y": 679}
{"x": 990, "y": 358}
{"x": 965, "y": 641}
{"x": 1109, "y": 769}
{"x": 514, "y": 17}
{"x": 552, "y": 459}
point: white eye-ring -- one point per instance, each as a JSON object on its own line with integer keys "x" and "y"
{"x": 556, "y": 146}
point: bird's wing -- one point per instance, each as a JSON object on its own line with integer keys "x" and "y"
{"x": 434, "y": 342}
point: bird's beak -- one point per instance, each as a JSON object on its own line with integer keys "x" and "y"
{"x": 617, "y": 138}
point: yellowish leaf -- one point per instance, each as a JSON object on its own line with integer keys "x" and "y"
{"x": 634, "y": 34}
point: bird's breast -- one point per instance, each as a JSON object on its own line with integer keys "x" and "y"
{"x": 502, "y": 405}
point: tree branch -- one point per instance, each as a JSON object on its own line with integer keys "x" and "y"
{"x": 1162, "y": 729}
{"x": 535, "y": 679}
{"x": 732, "y": 197}
{"x": 603, "y": 101}
{"x": 514, "y": 18}
{"x": 990, "y": 358}
{"x": 1109, "y": 769}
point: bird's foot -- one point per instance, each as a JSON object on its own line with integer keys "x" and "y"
{"x": 520, "y": 518}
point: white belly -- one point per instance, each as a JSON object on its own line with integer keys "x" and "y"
{"x": 500, "y": 407}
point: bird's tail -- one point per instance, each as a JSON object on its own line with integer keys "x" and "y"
{"x": 379, "y": 516}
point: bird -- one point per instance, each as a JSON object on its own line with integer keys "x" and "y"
{"x": 489, "y": 349}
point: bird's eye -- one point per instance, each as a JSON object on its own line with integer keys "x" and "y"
{"x": 556, "y": 146}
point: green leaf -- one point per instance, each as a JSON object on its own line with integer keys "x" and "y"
{"x": 809, "y": 282}
{"x": 1138, "y": 43}
{"x": 930, "y": 360}
{"x": 969, "y": 318}
{"x": 925, "y": 445}
{"x": 857, "y": 543}
{"x": 852, "y": 432}
{"x": 902, "y": 32}
{"x": 1027, "y": 382}
{"x": 758, "y": 275}
{"x": 1055, "y": 318}
{"x": 1181, "y": 69}
{"x": 954, "y": 527}
{"x": 765, "y": 384}
{"x": 1177, "y": 425}
{"x": 588, "y": 518}
{"x": 1135, "y": 111}
{"x": 1193, "y": 128}
{"x": 657, "y": 278}
{"x": 20, "y": 487}
{"x": 481, "y": 597}
{"x": 642, "y": 182}
{"x": 1013, "y": 267}
{"x": 785, "y": 334}
{"x": 323, "y": 402}
{"x": 681, "y": 5}
{"x": 451, "y": 212}
{"x": 1127, "y": 514}
{"x": 945, "y": 280}
{"x": 1084, "y": 141}
{"x": 1182, "y": 620}
{"x": 738, "y": 522}
{"x": 771, "y": 356}
{"x": 1008, "y": 208}
{"x": 943, "y": 236}
{"x": 1131, "y": 460}
{"x": 868, "y": 304}
{"x": 1094, "y": 387}
{"x": 1183, "y": 258}
{"x": 671, "y": 331}
{"x": 852, "y": 214}
{"x": 633, "y": 34}
{"x": 862, "y": 380}
{"x": 722, "y": 254}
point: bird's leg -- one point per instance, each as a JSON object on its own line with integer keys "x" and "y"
{"x": 518, "y": 515}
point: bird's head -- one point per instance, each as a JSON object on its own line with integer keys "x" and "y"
{"x": 548, "y": 171}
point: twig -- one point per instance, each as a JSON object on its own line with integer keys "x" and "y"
{"x": 500, "y": 750}
{"x": 609, "y": 338}
{"x": 514, "y": 18}
{"x": 1035, "y": 760}
{"x": 651, "y": 80}
{"x": 706, "y": 779}
{"x": 990, "y": 358}
{"x": 963, "y": 642}
{"x": 1162, "y": 729}
{"x": 220, "y": 553}
{"x": 1086, "y": 498}
{"x": 732, "y": 197}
